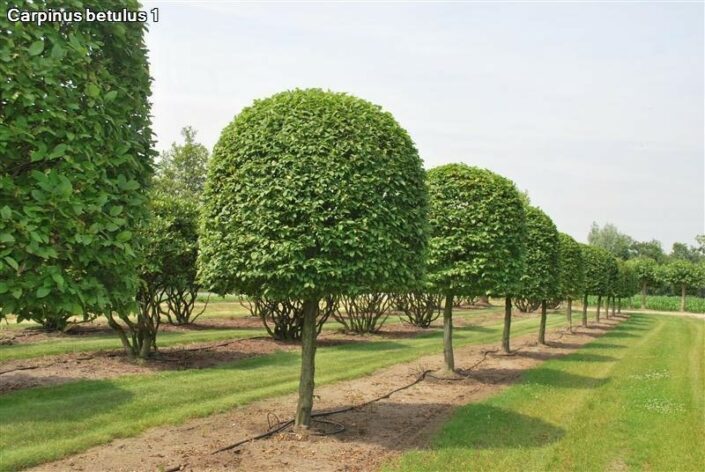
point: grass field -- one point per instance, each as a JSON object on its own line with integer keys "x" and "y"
{"x": 35, "y": 421}
{"x": 634, "y": 399}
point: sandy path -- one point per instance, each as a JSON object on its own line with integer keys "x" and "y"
{"x": 373, "y": 434}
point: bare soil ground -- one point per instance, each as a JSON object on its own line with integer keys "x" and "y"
{"x": 51, "y": 370}
{"x": 373, "y": 434}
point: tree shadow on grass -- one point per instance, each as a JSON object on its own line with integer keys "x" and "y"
{"x": 541, "y": 376}
{"x": 481, "y": 426}
{"x": 601, "y": 345}
{"x": 474, "y": 425}
{"x": 544, "y": 356}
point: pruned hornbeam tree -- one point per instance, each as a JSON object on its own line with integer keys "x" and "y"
{"x": 645, "y": 269}
{"x": 572, "y": 273}
{"x": 540, "y": 280}
{"x": 312, "y": 194}
{"x": 75, "y": 166}
{"x": 596, "y": 276}
{"x": 476, "y": 242}
{"x": 612, "y": 284}
{"x": 682, "y": 275}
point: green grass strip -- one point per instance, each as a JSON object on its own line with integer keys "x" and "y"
{"x": 88, "y": 343}
{"x": 632, "y": 400}
{"x": 47, "y": 423}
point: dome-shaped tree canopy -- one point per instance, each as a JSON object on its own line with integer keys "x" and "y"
{"x": 572, "y": 267}
{"x": 541, "y": 277}
{"x": 597, "y": 268}
{"x": 311, "y": 193}
{"x": 477, "y": 235}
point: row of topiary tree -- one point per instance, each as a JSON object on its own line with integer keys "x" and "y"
{"x": 310, "y": 196}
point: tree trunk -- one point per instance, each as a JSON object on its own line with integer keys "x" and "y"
{"x": 507, "y": 323}
{"x": 570, "y": 314}
{"x": 448, "y": 333}
{"x": 308, "y": 367}
{"x": 614, "y": 306}
{"x": 619, "y": 305}
{"x": 607, "y": 307}
{"x": 682, "y": 297}
{"x": 542, "y": 326}
{"x": 585, "y": 307}
{"x": 599, "y": 305}
{"x": 643, "y": 295}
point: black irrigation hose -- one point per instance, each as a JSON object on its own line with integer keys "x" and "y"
{"x": 320, "y": 414}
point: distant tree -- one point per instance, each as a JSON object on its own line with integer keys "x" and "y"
{"x": 612, "y": 284}
{"x": 541, "y": 276}
{"x": 609, "y": 238}
{"x": 312, "y": 194}
{"x": 476, "y": 240}
{"x": 182, "y": 169}
{"x": 684, "y": 252}
{"x": 682, "y": 274}
{"x": 628, "y": 282}
{"x": 572, "y": 272}
{"x": 596, "y": 276}
{"x": 648, "y": 249}
{"x": 645, "y": 271}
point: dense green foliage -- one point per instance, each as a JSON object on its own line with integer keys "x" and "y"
{"x": 681, "y": 273}
{"x": 477, "y": 231}
{"x": 541, "y": 277}
{"x": 311, "y": 193}
{"x": 644, "y": 269}
{"x": 572, "y": 267}
{"x": 597, "y": 267}
{"x": 75, "y": 144}
{"x": 627, "y": 280}
{"x": 167, "y": 271}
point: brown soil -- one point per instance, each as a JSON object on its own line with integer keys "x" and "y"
{"x": 374, "y": 434}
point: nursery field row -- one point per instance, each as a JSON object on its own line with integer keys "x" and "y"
{"x": 98, "y": 411}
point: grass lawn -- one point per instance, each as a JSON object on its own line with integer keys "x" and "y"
{"x": 47, "y": 423}
{"x": 634, "y": 399}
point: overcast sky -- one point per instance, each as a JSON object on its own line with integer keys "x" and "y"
{"x": 595, "y": 109}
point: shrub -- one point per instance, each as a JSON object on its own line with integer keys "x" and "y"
{"x": 313, "y": 194}
{"x": 419, "y": 308}
{"x": 365, "y": 313}
{"x": 167, "y": 273}
{"x": 283, "y": 319}
{"x": 75, "y": 145}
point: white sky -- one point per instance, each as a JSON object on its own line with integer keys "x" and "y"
{"x": 595, "y": 109}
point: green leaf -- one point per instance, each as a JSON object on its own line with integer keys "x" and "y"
{"x": 58, "y": 151}
{"x": 43, "y": 292}
{"x": 110, "y": 96}
{"x": 123, "y": 236}
{"x": 12, "y": 263}
{"x": 92, "y": 90}
{"x": 5, "y": 212}
{"x": 36, "y": 48}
